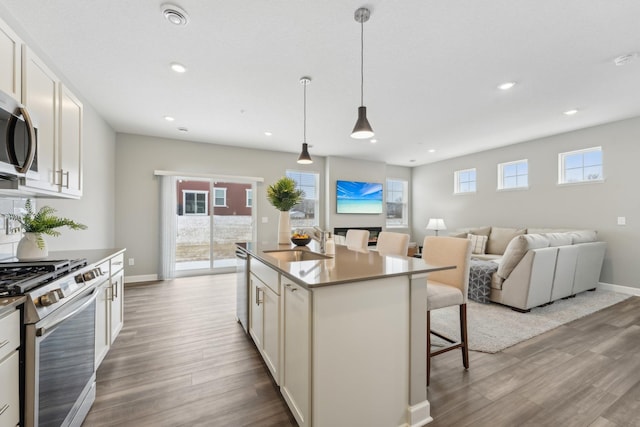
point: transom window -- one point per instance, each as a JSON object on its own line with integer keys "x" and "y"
{"x": 580, "y": 166}
{"x": 305, "y": 213}
{"x": 513, "y": 175}
{"x": 220, "y": 197}
{"x": 195, "y": 202}
{"x": 465, "y": 181}
{"x": 397, "y": 203}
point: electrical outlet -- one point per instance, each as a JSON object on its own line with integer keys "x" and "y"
{"x": 131, "y": 261}
{"x": 622, "y": 220}
{"x": 265, "y": 219}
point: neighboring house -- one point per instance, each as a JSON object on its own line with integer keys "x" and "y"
{"x": 195, "y": 198}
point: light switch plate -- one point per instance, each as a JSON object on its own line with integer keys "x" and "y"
{"x": 622, "y": 220}
{"x": 265, "y": 219}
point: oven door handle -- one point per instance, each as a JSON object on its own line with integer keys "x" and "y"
{"x": 43, "y": 330}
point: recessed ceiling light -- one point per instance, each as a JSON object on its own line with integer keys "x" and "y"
{"x": 506, "y": 85}
{"x": 268, "y": 133}
{"x": 412, "y": 161}
{"x": 570, "y": 112}
{"x": 373, "y": 141}
{"x": 169, "y": 118}
{"x": 183, "y": 129}
{"x": 432, "y": 150}
{"x": 175, "y": 14}
{"x": 178, "y": 68}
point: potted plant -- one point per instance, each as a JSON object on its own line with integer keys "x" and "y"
{"x": 33, "y": 246}
{"x": 283, "y": 195}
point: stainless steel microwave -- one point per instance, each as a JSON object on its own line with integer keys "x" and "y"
{"x": 18, "y": 140}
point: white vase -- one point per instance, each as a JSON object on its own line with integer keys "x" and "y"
{"x": 284, "y": 228}
{"x": 28, "y": 249}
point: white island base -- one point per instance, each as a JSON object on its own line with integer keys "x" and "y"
{"x": 354, "y": 354}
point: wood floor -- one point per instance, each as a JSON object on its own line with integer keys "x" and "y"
{"x": 182, "y": 360}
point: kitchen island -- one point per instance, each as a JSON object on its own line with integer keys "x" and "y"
{"x": 344, "y": 337}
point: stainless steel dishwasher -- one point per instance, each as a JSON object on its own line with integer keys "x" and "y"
{"x": 242, "y": 288}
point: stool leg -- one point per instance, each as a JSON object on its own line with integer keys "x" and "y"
{"x": 463, "y": 335}
{"x": 428, "y": 346}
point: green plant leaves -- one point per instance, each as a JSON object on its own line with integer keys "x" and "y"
{"x": 283, "y": 194}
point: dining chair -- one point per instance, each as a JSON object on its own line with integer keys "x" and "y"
{"x": 390, "y": 243}
{"x": 447, "y": 288}
{"x": 357, "y": 239}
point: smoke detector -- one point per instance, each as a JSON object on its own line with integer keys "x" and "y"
{"x": 175, "y": 14}
{"x": 625, "y": 59}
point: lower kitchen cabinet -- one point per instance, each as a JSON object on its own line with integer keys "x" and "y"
{"x": 110, "y": 306}
{"x": 295, "y": 386}
{"x": 264, "y": 323}
{"x": 10, "y": 369}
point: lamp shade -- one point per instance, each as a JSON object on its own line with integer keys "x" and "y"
{"x": 436, "y": 224}
{"x": 305, "y": 158}
{"x": 362, "y": 129}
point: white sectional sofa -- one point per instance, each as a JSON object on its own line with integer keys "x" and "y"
{"x": 538, "y": 266}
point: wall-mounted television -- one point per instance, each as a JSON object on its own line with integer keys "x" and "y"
{"x": 353, "y": 197}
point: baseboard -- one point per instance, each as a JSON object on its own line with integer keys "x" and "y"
{"x": 419, "y": 414}
{"x": 141, "y": 278}
{"x": 619, "y": 288}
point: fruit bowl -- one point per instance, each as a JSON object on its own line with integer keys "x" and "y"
{"x": 300, "y": 240}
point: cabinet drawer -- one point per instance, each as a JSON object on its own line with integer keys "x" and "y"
{"x": 9, "y": 334}
{"x": 117, "y": 263}
{"x": 9, "y": 391}
{"x": 266, "y": 274}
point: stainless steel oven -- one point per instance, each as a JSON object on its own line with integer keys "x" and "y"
{"x": 59, "y": 370}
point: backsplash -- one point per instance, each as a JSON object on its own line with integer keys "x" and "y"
{"x": 10, "y": 234}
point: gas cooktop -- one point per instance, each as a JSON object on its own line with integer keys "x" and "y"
{"x": 18, "y": 278}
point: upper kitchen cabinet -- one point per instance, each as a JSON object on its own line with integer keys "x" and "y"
{"x": 10, "y": 61}
{"x": 57, "y": 114}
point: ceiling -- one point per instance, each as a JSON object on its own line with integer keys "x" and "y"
{"x": 431, "y": 70}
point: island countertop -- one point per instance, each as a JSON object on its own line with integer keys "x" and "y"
{"x": 346, "y": 266}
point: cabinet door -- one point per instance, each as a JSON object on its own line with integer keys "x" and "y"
{"x": 296, "y": 379}
{"x": 39, "y": 94}
{"x": 117, "y": 304}
{"x": 10, "y": 390}
{"x": 10, "y": 61}
{"x": 256, "y": 310}
{"x": 271, "y": 332}
{"x": 103, "y": 339}
{"x": 69, "y": 164}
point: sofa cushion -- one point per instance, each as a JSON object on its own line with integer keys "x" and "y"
{"x": 558, "y": 239}
{"x": 500, "y": 238}
{"x": 583, "y": 236}
{"x": 478, "y": 243}
{"x": 516, "y": 249}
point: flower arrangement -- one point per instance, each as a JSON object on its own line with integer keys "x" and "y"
{"x": 43, "y": 222}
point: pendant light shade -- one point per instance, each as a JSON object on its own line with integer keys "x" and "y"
{"x": 305, "y": 158}
{"x": 362, "y": 129}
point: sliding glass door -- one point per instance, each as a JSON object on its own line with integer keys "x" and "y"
{"x": 211, "y": 216}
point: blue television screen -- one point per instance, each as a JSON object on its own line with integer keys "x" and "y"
{"x": 358, "y": 197}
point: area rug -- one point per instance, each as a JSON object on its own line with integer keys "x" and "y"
{"x": 493, "y": 327}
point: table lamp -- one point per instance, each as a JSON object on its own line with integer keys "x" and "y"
{"x": 436, "y": 224}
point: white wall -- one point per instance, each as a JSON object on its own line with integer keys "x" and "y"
{"x": 546, "y": 204}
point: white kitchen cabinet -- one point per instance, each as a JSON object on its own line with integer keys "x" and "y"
{"x": 296, "y": 372}
{"x": 10, "y": 61}
{"x": 264, "y": 316}
{"x": 69, "y": 151}
{"x": 40, "y": 96}
{"x": 110, "y": 306}
{"x": 9, "y": 369}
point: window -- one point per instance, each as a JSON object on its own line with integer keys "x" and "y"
{"x": 513, "y": 175}
{"x": 580, "y": 166}
{"x": 305, "y": 213}
{"x": 220, "y": 197}
{"x": 195, "y": 202}
{"x": 465, "y": 181}
{"x": 249, "y": 197}
{"x": 397, "y": 203}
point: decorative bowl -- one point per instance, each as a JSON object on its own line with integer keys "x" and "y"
{"x": 300, "y": 241}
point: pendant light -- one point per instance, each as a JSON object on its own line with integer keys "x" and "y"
{"x": 362, "y": 129}
{"x": 305, "y": 158}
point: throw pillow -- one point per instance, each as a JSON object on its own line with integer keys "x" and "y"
{"x": 500, "y": 238}
{"x": 478, "y": 243}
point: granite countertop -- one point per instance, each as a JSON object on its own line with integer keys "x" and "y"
{"x": 93, "y": 256}
{"x": 345, "y": 266}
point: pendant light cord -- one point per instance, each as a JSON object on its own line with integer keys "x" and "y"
{"x": 361, "y": 61}
{"x": 304, "y": 115}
